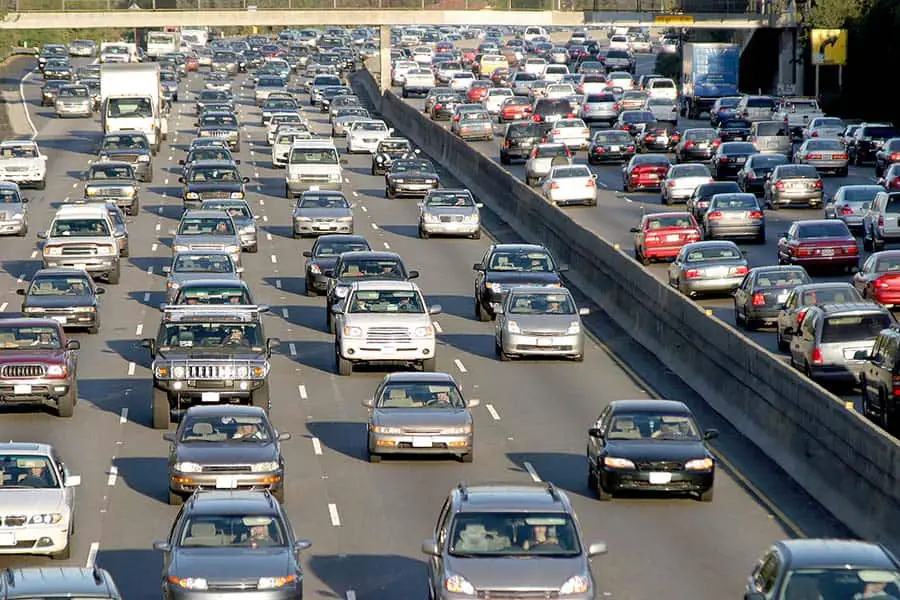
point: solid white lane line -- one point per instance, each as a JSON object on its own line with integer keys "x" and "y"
{"x": 292, "y": 348}
{"x": 534, "y": 474}
{"x": 92, "y": 555}
{"x": 335, "y": 517}
{"x": 159, "y": 210}
{"x": 302, "y": 389}
{"x": 459, "y": 365}
{"x": 364, "y": 209}
{"x": 628, "y": 200}
{"x": 437, "y": 327}
{"x": 317, "y": 447}
{"x": 139, "y": 329}
{"x": 274, "y": 259}
{"x": 131, "y": 368}
{"x": 34, "y": 254}
{"x": 3, "y": 306}
{"x": 493, "y": 411}
{"x": 20, "y": 278}
{"x": 374, "y": 225}
{"x": 34, "y": 130}
{"x": 601, "y": 184}
{"x": 154, "y": 247}
{"x": 266, "y": 220}
{"x": 268, "y": 237}
{"x": 113, "y": 476}
{"x": 351, "y": 595}
{"x": 146, "y": 296}
{"x": 123, "y": 418}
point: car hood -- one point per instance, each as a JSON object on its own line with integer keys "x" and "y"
{"x": 318, "y": 213}
{"x": 543, "y": 322}
{"x": 5, "y": 163}
{"x": 410, "y": 320}
{"x": 646, "y": 450}
{"x": 516, "y": 573}
{"x": 58, "y": 301}
{"x": 24, "y": 355}
{"x": 11, "y": 208}
{"x": 32, "y": 501}
{"x": 325, "y": 263}
{"x": 522, "y": 277}
{"x": 226, "y": 453}
{"x": 450, "y": 210}
{"x": 430, "y": 418}
{"x": 182, "y": 277}
{"x": 211, "y": 240}
{"x": 211, "y": 353}
{"x": 230, "y": 563}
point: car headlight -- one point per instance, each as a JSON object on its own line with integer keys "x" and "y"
{"x": 341, "y": 292}
{"x": 192, "y": 196}
{"x": 345, "y": 219}
{"x": 398, "y": 180}
{"x": 457, "y": 430}
{"x": 617, "y": 463}
{"x": 53, "y": 251}
{"x": 430, "y": 218}
{"x": 352, "y": 332}
{"x": 173, "y": 285}
{"x": 334, "y": 177}
{"x": 232, "y": 249}
{"x": 264, "y": 467}
{"x": 431, "y": 181}
{"x": 144, "y": 158}
{"x": 180, "y": 248}
{"x": 56, "y": 370}
{"x": 161, "y": 371}
{"x": 513, "y": 327}
{"x": 387, "y": 430}
{"x": 577, "y": 584}
{"x": 380, "y": 159}
{"x": 699, "y": 464}
{"x": 423, "y": 331}
{"x": 188, "y": 467}
{"x": 574, "y": 327}
{"x": 241, "y": 372}
{"x": 45, "y": 519}
{"x": 189, "y": 583}
{"x": 315, "y": 269}
{"x": 178, "y": 372}
{"x": 237, "y": 195}
{"x": 494, "y": 287}
{"x": 302, "y": 219}
{"x": 85, "y": 309}
{"x": 473, "y": 218}
{"x": 106, "y": 250}
{"x": 457, "y": 584}
{"x": 269, "y": 583}
{"x": 33, "y": 309}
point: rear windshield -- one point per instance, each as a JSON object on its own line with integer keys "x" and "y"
{"x": 600, "y": 98}
{"x": 798, "y": 171}
{"x": 741, "y": 202}
{"x": 879, "y": 132}
{"x": 760, "y": 103}
{"x": 865, "y": 193}
{"x": 771, "y": 129}
{"x": 662, "y": 83}
{"x": 709, "y": 190}
{"x": 525, "y": 130}
{"x": 893, "y": 204}
{"x": 554, "y": 107}
{"x": 854, "y": 328}
{"x": 714, "y": 253}
{"x": 832, "y": 295}
{"x": 821, "y": 229}
{"x": 781, "y": 279}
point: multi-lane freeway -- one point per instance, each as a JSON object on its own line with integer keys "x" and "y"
{"x": 367, "y": 521}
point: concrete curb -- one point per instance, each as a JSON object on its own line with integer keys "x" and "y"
{"x": 16, "y": 112}
{"x": 835, "y": 454}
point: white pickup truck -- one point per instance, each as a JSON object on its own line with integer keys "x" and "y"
{"x": 797, "y": 113}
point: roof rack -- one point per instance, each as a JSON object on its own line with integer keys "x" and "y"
{"x": 97, "y": 574}
{"x": 463, "y": 490}
{"x": 554, "y": 493}
{"x": 246, "y": 312}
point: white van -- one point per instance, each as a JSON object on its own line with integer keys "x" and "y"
{"x": 534, "y": 32}
{"x": 313, "y": 163}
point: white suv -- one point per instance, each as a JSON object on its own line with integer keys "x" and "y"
{"x": 384, "y": 322}
{"x": 22, "y": 162}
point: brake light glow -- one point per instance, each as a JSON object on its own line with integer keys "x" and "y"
{"x": 779, "y": 185}
{"x": 737, "y": 270}
{"x": 895, "y": 157}
{"x": 688, "y": 145}
{"x": 759, "y": 299}
{"x": 818, "y": 185}
{"x": 896, "y": 384}
{"x": 815, "y": 134}
{"x": 723, "y": 159}
{"x": 714, "y": 215}
{"x": 800, "y": 316}
{"x": 817, "y": 358}
{"x": 882, "y": 283}
{"x": 692, "y": 273}
{"x": 814, "y": 156}
{"x": 846, "y": 210}
{"x": 554, "y": 186}
{"x": 756, "y": 214}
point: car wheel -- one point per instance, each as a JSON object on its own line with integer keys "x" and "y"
{"x": 66, "y": 552}
{"x": 278, "y": 494}
{"x": 343, "y": 366}
{"x": 373, "y": 457}
{"x": 260, "y": 398}
{"x": 161, "y": 409}
{"x": 65, "y": 406}
{"x": 114, "y": 275}
{"x": 706, "y": 495}
{"x": 149, "y": 178}
{"x": 429, "y": 365}
{"x": 467, "y": 457}
{"x": 253, "y": 249}
{"x": 480, "y": 313}
{"x": 477, "y": 235}
{"x": 783, "y": 345}
{"x": 175, "y": 499}
{"x": 602, "y": 494}
{"x": 423, "y": 234}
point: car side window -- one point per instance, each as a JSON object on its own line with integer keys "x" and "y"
{"x": 176, "y": 525}
{"x": 791, "y": 300}
{"x": 888, "y": 352}
{"x": 892, "y": 345}
{"x": 603, "y": 420}
{"x": 879, "y": 346}
{"x": 441, "y": 529}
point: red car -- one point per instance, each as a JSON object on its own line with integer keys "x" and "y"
{"x": 662, "y": 235}
{"x": 477, "y": 91}
{"x": 468, "y": 57}
{"x": 879, "y": 278}
{"x": 516, "y": 108}
{"x": 192, "y": 63}
{"x": 645, "y": 172}
{"x": 819, "y": 243}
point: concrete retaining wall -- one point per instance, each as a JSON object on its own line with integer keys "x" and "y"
{"x": 834, "y": 453}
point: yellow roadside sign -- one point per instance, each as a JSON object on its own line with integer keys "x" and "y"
{"x": 673, "y": 20}
{"x": 829, "y": 47}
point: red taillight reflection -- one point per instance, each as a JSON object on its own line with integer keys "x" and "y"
{"x": 714, "y": 215}
{"x": 692, "y": 274}
{"x": 817, "y": 358}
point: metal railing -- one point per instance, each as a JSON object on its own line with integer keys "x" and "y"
{"x": 688, "y": 7}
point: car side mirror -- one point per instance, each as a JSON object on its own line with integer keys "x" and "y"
{"x": 595, "y": 432}
{"x": 344, "y": 162}
{"x": 196, "y": 123}
{"x": 245, "y": 179}
{"x": 878, "y": 358}
{"x": 20, "y": 292}
{"x": 284, "y": 436}
{"x": 302, "y": 544}
{"x": 597, "y": 548}
{"x": 307, "y": 254}
{"x": 473, "y": 403}
{"x": 181, "y": 162}
{"x": 181, "y": 180}
{"x": 173, "y": 232}
{"x": 149, "y": 344}
{"x": 710, "y": 434}
{"x": 783, "y": 234}
{"x": 73, "y": 481}
{"x": 434, "y": 309}
{"x": 635, "y": 230}
{"x": 329, "y": 273}
{"x": 429, "y": 548}
{"x": 479, "y": 205}
{"x": 368, "y": 403}
{"x": 26, "y": 200}
{"x": 861, "y": 355}
{"x": 169, "y": 436}
{"x": 42, "y": 235}
{"x": 584, "y": 311}
{"x": 272, "y": 343}
{"x": 162, "y": 546}
{"x": 237, "y": 161}
{"x": 73, "y": 345}
{"x": 100, "y": 290}
{"x": 477, "y": 267}
{"x": 563, "y": 268}
{"x": 413, "y": 275}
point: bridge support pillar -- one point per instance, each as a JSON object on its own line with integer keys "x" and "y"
{"x": 790, "y": 64}
{"x": 384, "y": 57}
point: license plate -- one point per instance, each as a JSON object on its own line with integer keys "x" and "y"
{"x": 615, "y": 148}
{"x": 734, "y": 215}
{"x": 828, "y": 252}
{"x": 21, "y": 389}
{"x": 673, "y": 238}
{"x": 660, "y": 478}
{"x": 421, "y": 442}
{"x": 717, "y": 272}
{"x": 740, "y": 160}
{"x": 703, "y": 146}
{"x": 81, "y": 266}
{"x": 209, "y": 397}
{"x": 781, "y": 298}
{"x": 388, "y": 349}
{"x": 652, "y": 176}
{"x": 7, "y": 539}
{"x": 324, "y": 227}
{"x": 544, "y": 341}
{"x": 226, "y": 483}
{"x": 60, "y": 319}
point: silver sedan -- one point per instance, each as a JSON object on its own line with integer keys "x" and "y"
{"x": 451, "y": 213}
{"x": 243, "y": 218}
{"x": 851, "y": 202}
{"x": 543, "y": 158}
{"x": 539, "y": 321}
{"x": 824, "y": 155}
{"x": 708, "y": 267}
{"x": 318, "y": 212}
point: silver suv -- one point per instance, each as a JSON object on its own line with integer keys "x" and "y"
{"x": 484, "y": 532}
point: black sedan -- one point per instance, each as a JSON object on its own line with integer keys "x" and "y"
{"x": 649, "y": 446}
{"x": 611, "y": 146}
{"x": 223, "y": 125}
{"x": 697, "y": 144}
{"x": 212, "y": 180}
{"x": 206, "y": 97}
{"x": 65, "y": 295}
{"x": 635, "y": 121}
{"x": 730, "y": 158}
{"x": 735, "y": 130}
{"x": 886, "y": 156}
{"x": 411, "y": 177}
{"x": 323, "y": 257}
{"x": 658, "y": 138}
{"x": 752, "y": 176}
{"x": 206, "y": 153}
{"x": 763, "y": 293}
{"x": 445, "y": 105}
{"x": 507, "y": 265}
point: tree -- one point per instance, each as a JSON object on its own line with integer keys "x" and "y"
{"x": 835, "y": 14}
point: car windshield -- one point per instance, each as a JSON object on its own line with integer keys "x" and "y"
{"x": 60, "y": 285}
{"x": 273, "y": 82}
{"x": 822, "y": 230}
{"x": 739, "y": 148}
{"x": 840, "y": 583}
{"x": 19, "y": 152}
{"x": 386, "y": 301}
{"x": 210, "y": 334}
{"x": 211, "y": 95}
{"x": 567, "y": 172}
{"x": 79, "y": 228}
{"x": 211, "y": 153}
{"x": 27, "y": 471}
{"x": 218, "y": 531}
{"x": 214, "y": 294}
{"x": 210, "y": 174}
{"x": 206, "y": 226}
{"x": 125, "y": 142}
{"x": 322, "y": 201}
{"x": 372, "y": 268}
{"x": 665, "y": 221}
{"x": 854, "y": 327}
{"x": 879, "y": 132}
{"x": 224, "y": 428}
{"x": 832, "y": 145}
{"x": 781, "y": 279}
{"x": 447, "y": 199}
{"x": 862, "y": 193}
{"x": 717, "y": 252}
{"x": 235, "y": 210}
{"x": 352, "y": 111}
{"x": 419, "y": 166}
{"x": 734, "y": 202}
{"x": 653, "y": 426}
{"x": 74, "y": 92}
{"x": 736, "y": 125}
{"x": 515, "y": 534}
{"x": 279, "y": 103}
{"x": 44, "y": 337}
{"x": 521, "y": 261}
{"x": 202, "y": 263}
{"x": 391, "y": 146}
{"x": 332, "y": 248}
{"x": 430, "y": 395}
{"x": 10, "y": 196}
{"x": 541, "y": 304}
{"x": 690, "y": 171}
{"x": 830, "y": 295}
{"x": 218, "y": 120}
{"x": 763, "y": 161}
{"x": 110, "y": 172}
{"x": 323, "y": 156}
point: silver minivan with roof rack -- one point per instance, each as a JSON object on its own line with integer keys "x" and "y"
{"x": 771, "y": 137}
{"x": 756, "y": 108}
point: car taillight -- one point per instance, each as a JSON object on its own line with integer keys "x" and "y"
{"x": 651, "y": 237}
{"x": 507, "y": 143}
{"x": 815, "y": 134}
{"x": 881, "y": 220}
{"x": 895, "y": 156}
{"x": 817, "y": 356}
{"x": 437, "y": 106}
{"x": 723, "y": 159}
{"x": 756, "y": 214}
{"x": 779, "y": 185}
{"x": 554, "y": 186}
{"x": 895, "y": 380}
{"x": 570, "y": 115}
{"x": 555, "y": 132}
{"x": 737, "y": 270}
{"x": 800, "y": 316}
{"x": 615, "y": 107}
{"x": 882, "y": 283}
{"x": 717, "y": 142}
{"x": 851, "y": 249}
{"x": 689, "y": 145}
{"x": 625, "y": 127}
{"x": 714, "y": 215}
{"x": 895, "y": 182}
{"x": 538, "y": 118}
{"x": 590, "y": 183}
{"x": 598, "y": 149}
{"x": 456, "y": 118}
{"x": 586, "y": 132}
{"x": 759, "y": 299}
{"x": 692, "y": 273}
{"x": 818, "y": 184}
{"x": 751, "y": 174}
{"x": 670, "y": 184}
{"x": 814, "y": 156}
{"x": 630, "y": 148}
{"x": 846, "y": 210}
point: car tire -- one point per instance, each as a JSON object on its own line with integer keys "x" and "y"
{"x": 467, "y": 457}
{"x": 602, "y": 494}
{"x": 480, "y": 313}
{"x": 388, "y": 193}
{"x": 783, "y": 346}
{"x": 423, "y": 234}
{"x": 41, "y": 185}
{"x": 343, "y": 367}
{"x": 95, "y": 328}
{"x": 115, "y": 275}
{"x": 260, "y": 398}
{"x": 504, "y": 159}
{"x": 65, "y": 553}
{"x": 253, "y": 249}
{"x": 591, "y": 478}
{"x": 429, "y": 365}
{"x": 477, "y": 235}
{"x": 161, "y": 409}
{"x": 287, "y": 192}
{"x": 175, "y": 499}
{"x": 866, "y": 241}
{"x": 373, "y": 456}
{"x": 373, "y": 171}
{"x": 278, "y": 494}
{"x": 65, "y": 406}
{"x": 706, "y": 495}
{"x": 24, "y": 231}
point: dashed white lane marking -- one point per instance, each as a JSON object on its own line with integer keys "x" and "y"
{"x": 274, "y": 259}
{"x": 335, "y": 517}
{"x": 292, "y": 349}
{"x": 3, "y": 306}
{"x": 278, "y": 283}
{"x": 302, "y": 389}
{"x": 628, "y": 200}
{"x": 601, "y": 184}
{"x": 113, "y": 476}
{"x": 437, "y": 327}
{"x": 493, "y": 412}
{"x": 170, "y": 158}
{"x": 317, "y": 447}
{"x": 356, "y": 194}
{"x": 351, "y": 595}
{"x": 154, "y": 247}
{"x": 139, "y": 329}
{"x": 74, "y": 185}
{"x": 387, "y": 246}
{"x": 123, "y": 417}
{"x": 459, "y": 365}
{"x": 20, "y": 279}
{"x": 158, "y": 227}
{"x": 534, "y": 474}
{"x": 261, "y": 201}
{"x": 150, "y": 270}
{"x": 266, "y": 220}
{"x": 159, "y": 210}
{"x": 346, "y": 180}
{"x": 92, "y": 555}
{"x": 131, "y": 368}
{"x": 269, "y": 237}
{"x": 374, "y": 225}
{"x": 284, "y": 313}
{"x": 364, "y": 209}
{"x": 34, "y": 254}
{"x": 146, "y": 296}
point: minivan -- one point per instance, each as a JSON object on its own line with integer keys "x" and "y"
{"x": 771, "y": 137}
{"x": 756, "y": 108}
{"x": 313, "y": 164}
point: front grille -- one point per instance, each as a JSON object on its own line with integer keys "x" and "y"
{"x": 16, "y": 169}
{"x": 315, "y": 177}
{"x": 79, "y": 250}
{"x": 226, "y": 469}
{"x": 214, "y": 195}
{"x": 659, "y": 466}
{"x": 111, "y": 192}
{"x": 379, "y": 335}
{"x": 24, "y": 371}
{"x": 127, "y": 157}
{"x": 232, "y": 585}
{"x": 452, "y": 218}
{"x": 210, "y": 372}
{"x": 544, "y": 333}
{"x": 325, "y": 219}
{"x": 207, "y": 247}
{"x": 15, "y": 520}
{"x": 517, "y": 594}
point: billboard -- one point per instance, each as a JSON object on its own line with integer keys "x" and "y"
{"x": 828, "y": 46}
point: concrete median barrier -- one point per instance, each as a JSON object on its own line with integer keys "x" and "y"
{"x": 841, "y": 459}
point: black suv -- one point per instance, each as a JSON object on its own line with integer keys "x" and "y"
{"x": 507, "y": 265}
{"x": 868, "y": 140}
{"x": 520, "y": 138}
{"x": 880, "y": 380}
{"x": 228, "y": 542}
{"x": 58, "y": 582}
{"x": 209, "y": 354}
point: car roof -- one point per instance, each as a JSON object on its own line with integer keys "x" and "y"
{"x": 649, "y": 405}
{"x": 10, "y": 185}
{"x": 540, "y": 289}
{"x": 512, "y": 497}
{"x": 212, "y": 163}
{"x": 818, "y": 553}
{"x": 519, "y": 247}
{"x": 372, "y": 254}
{"x": 341, "y": 237}
{"x": 35, "y": 448}
{"x": 203, "y": 212}
{"x": 385, "y": 284}
{"x": 778, "y": 269}
{"x": 39, "y": 582}
{"x": 215, "y": 502}
{"x": 64, "y": 271}
{"x": 413, "y": 377}
{"x": 224, "y": 282}
{"x": 112, "y": 163}
{"x": 85, "y": 210}
{"x": 227, "y": 409}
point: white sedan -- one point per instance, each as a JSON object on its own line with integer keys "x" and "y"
{"x": 461, "y": 81}
{"x": 682, "y": 180}
{"x": 560, "y": 90}
{"x": 621, "y": 79}
{"x": 495, "y": 98}
{"x": 364, "y": 136}
{"x": 574, "y": 133}
{"x": 574, "y": 184}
